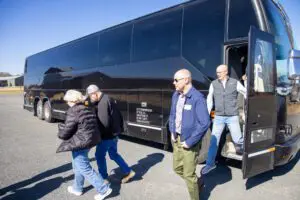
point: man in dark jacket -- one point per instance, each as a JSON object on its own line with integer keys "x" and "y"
{"x": 188, "y": 122}
{"x": 111, "y": 125}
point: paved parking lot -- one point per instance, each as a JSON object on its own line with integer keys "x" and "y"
{"x": 30, "y": 168}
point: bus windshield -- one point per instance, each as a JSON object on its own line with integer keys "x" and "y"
{"x": 279, "y": 26}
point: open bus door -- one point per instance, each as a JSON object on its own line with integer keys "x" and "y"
{"x": 261, "y": 105}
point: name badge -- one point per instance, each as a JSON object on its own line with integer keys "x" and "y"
{"x": 187, "y": 107}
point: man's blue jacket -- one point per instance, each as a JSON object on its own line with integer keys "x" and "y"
{"x": 195, "y": 117}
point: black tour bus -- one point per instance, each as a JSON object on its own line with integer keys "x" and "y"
{"x": 134, "y": 63}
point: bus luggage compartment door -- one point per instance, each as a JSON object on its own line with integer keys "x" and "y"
{"x": 145, "y": 115}
{"x": 261, "y": 105}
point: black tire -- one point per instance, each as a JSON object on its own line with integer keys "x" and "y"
{"x": 48, "y": 112}
{"x": 204, "y": 147}
{"x": 34, "y": 107}
{"x": 166, "y": 147}
{"x": 40, "y": 110}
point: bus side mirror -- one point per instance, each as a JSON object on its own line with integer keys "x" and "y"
{"x": 294, "y": 74}
{"x": 294, "y": 65}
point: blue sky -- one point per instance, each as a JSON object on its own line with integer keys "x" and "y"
{"x": 28, "y": 27}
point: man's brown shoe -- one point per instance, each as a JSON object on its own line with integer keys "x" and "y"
{"x": 128, "y": 177}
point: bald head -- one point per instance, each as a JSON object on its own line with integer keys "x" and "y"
{"x": 182, "y": 80}
{"x": 222, "y": 68}
{"x": 183, "y": 73}
{"x": 222, "y": 72}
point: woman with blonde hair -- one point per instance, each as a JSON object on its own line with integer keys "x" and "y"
{"x": 80, "y": 132}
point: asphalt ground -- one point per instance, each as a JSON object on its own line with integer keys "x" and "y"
{"x": 30, "y": 168}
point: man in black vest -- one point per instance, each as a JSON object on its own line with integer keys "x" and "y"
{"x": 111, "y": 125}
{"x": 223, "y": 93}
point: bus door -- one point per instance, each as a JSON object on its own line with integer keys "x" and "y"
{"x": 145, "y": 115}
{"x": 261, "y": 105}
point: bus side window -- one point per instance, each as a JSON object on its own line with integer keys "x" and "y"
{"x": 114, "y": 46}
{"x": 203, "y": 35}
{"x": 238, "y": 9}
{"x": 157, "y": 37}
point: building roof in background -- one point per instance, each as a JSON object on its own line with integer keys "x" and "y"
{"x": 9, "y": 77}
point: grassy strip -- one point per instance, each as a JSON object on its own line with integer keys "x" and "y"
{"x": 11, "y": 90}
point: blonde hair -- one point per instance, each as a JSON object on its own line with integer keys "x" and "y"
{"x": 74, "y": 96}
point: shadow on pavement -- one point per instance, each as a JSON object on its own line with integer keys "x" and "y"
{"x": 140, "y": 168}
{"x": 37, "y": 178}
{"x": 38, "y": 190}
{"x": 278, "y": 171}
{"x": 220, "y": 175}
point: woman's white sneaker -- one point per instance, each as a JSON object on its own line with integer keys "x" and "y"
{"x": 102, "y": 196}
{"x": 72, "y": 191}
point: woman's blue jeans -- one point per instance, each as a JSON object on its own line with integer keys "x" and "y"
{"x": 83, "y": 170}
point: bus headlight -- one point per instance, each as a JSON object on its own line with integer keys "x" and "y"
{"x": 261, "y": 135}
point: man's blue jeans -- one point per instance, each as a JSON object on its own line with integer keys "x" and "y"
{"x": 82, "y": 169}
{"x": 110, "y": 146}
{"x": 219, "y": 123}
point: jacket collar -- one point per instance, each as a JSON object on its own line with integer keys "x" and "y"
{"x": 189, "y": 93}
{"x": 101, "y": 96}
{"x": 227, "y": 79}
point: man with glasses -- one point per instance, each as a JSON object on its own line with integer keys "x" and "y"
{"x": 223, "y": 92}
{"x": 189, "y": 121}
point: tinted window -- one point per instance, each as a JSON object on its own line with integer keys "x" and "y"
{"x": 25, "y": 68}
{"x": 157, "y": 37}
{"x": 80, "y": 54}
{"x": 38, "y": 64}
{"x": 114, "y": 46}
{"x": 203, "y": 35}
{"x": 241, "y": 17}
{"x": 283, "y": 45}
{"x": 263, "y": 67}
{"x": 76, "y": 55}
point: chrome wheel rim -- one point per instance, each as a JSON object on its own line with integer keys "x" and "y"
{"x": 39, "y": 110}
{"x": 47, "y": 112}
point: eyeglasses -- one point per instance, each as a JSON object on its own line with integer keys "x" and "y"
{"x": 176, "y": 80}
{"x": 221, "y": 72}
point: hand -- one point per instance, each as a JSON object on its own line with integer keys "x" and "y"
{"x": 61, "y": 126}
{"x": 244, "y": 77}
{"x": 173, "y": 138}
{"x": 184, "y": 145}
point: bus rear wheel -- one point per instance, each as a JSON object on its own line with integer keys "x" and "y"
{"x": 48, "y": 112}
{"x": 40, "y": 110}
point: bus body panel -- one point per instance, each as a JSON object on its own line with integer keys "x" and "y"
{"x": 138, "y": 73}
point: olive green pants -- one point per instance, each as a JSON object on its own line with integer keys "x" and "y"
{"x": 184, "y": 164}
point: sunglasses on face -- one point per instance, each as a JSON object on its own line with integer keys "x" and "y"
{"x": 176, "y": 80}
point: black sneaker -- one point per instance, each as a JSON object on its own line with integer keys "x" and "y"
{"x": 200, "y": 182}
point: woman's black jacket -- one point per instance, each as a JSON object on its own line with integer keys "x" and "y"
{"x": 80, "y": 130}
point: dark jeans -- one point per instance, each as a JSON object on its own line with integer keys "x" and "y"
{"x": 110, "y": 146}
